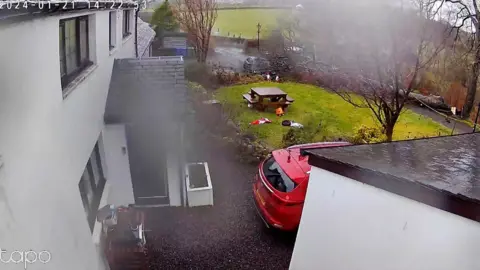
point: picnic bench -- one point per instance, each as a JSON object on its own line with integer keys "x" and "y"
{"x": 262, "y": 98}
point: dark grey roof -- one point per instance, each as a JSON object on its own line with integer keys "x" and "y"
{"x": 177, "y": 42}
{"x": 146, "y": 88}
{"x": 145, "y": 36}
{"x": 427, "y": 170}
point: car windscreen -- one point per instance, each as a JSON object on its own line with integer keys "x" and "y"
{"x": 277, "y": 177}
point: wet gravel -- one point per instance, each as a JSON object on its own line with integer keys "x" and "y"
{"x": 228, "y": 57}
{"x": 228, "y": 235}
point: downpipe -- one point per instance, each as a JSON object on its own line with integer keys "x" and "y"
{"x": 136, "y": 32}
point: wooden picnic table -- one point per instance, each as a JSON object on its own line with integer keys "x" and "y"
{"x": 262, "y": 98}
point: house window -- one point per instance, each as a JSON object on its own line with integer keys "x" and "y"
{"x": 126, "y": 23}
{"x": 74, "y": 51}
{"x": 86, "y": 190}
{"x": 112, "y": 29}
{"x": 91, "y": 186}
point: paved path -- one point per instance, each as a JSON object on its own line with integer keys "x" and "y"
{"x": 459, "y": 126}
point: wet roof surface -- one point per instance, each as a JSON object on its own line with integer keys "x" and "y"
{"x": 450, "y": 164}
{"x": 145, "y": 36}
{"x": 176, "y": 42}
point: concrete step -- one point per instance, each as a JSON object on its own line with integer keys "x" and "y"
{"x": 153, "y": 200}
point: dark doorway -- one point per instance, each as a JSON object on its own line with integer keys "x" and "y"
{"x": 147, "y": 164}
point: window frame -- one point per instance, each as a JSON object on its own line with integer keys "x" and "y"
{"x": 95, "y": 186}
{"x": 112, "y": 23}
{"x": 81, "y": 63}
{"x": 126, "y": 23}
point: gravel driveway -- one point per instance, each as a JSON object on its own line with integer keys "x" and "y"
{"x": 228, "y": 235}
{"x": 228, "y": 57}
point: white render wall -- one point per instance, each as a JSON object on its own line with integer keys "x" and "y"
{"x": 45, "y": 140}
{"x": 118, "y": 166}
{"x": 350, "y": 225}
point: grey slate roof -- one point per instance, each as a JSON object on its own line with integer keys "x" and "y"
{"x": 425, "y": 170}
{"x": 139, "y": 86}
{"x": 145, "y": 36}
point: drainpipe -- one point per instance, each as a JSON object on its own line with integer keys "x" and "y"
{"x": 136, "y": 32}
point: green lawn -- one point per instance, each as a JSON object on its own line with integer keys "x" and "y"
{"x": 244, "y": 21}
{"x": 338, "y": 117}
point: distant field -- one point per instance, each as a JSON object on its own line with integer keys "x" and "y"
{"x": 244, "y": 21}
{"x": 239, "y": 21}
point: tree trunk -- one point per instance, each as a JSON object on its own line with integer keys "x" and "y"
{"x": 202, "y": 52}
{"x": 472, "y": 86}
{"x": 199, "y": 55}
{"x": 389, "y": 131}
{"x": 202, "y": 57}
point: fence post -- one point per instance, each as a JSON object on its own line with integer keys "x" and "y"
{"x": 476, "y": 118}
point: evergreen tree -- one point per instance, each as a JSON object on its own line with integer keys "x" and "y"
{"x": 163, "y": 18}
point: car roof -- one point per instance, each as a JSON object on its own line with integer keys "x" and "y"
{"x": 297, "y": 167}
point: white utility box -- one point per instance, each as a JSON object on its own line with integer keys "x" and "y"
{"x": 199, "y": 184}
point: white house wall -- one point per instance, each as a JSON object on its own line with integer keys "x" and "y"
{"x": 350, "y": 225}
{"x": 115, "y": 144}
{"x": 128, "y": 44}
{"x": 45, "y": 140}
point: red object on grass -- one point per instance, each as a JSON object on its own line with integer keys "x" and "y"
{"x": 261, "y": 121}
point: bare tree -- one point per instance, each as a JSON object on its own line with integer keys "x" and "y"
{"x": 380, "y": 59}
{"x": 464, "y": 17}
{"x": 197, "y": 18}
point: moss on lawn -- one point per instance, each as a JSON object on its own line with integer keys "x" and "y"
{"x": 338, "y": 118}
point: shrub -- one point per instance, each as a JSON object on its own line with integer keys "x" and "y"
{"x": 217, "y": 76}
{"x": 226, "y": 77}
{"x": 364, "y": 134}
{"x": 197, "y": 72}
{"x": 197, "y": 88}
{"x": 303, "y": 135}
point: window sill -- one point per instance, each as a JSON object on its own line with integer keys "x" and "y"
{"x": 127, "y": 37}
{"x": 78, "y": 80}
{"x": 113, "y": 50}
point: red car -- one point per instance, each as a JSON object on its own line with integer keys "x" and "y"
{"x": 281, "y": 185}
